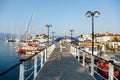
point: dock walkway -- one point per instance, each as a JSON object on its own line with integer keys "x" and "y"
{"x": 63, "y": 66}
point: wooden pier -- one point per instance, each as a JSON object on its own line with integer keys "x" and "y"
{"x": 63, "y": 66}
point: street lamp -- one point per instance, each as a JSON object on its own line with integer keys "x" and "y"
{"x": 48, "y": 26}
{"x": 71, "y": 30}
{"x": 53, "y": 36}
{"x": 92, "y": 14}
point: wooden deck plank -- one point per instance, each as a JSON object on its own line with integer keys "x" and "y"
{"x": 63, "y": 66}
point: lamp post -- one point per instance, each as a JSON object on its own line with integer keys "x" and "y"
{"x": 71, "y": 30}
{"x": 53, "y": 36}
{"x": 92, "y": 14}
{"x": 48, "y": 26}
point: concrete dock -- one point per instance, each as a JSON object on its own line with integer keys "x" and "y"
{"x": 63, "y": 66}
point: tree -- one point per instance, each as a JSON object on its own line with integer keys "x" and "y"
{"x": 116, "y": 38}
{"x": 37, "y": 35}
{"x": 81, "y": 36}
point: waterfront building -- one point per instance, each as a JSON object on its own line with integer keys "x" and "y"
{"x": 85, "y": 38}
{"x": 111, "y": 39}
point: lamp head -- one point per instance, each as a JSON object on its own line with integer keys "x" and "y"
{"x": 48, "y": 25}
{"x": 96, "y": 14}
{"x": 89, "y": 14}
{"x": 71, "y": 30}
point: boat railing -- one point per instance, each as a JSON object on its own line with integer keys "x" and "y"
{"x": 31, "y": 66}
{"x": 108, "y": 71}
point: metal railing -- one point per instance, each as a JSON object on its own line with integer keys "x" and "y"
{"x": 31, "y": 66}
{"x": 110, "y": 70}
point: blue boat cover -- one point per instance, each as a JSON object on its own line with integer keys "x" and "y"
{"x": 63, "y": 37}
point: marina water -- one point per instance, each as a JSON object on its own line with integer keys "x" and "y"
{"x": 8, "y": 58}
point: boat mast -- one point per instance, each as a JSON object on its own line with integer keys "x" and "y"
{"x": 28, "y": 29}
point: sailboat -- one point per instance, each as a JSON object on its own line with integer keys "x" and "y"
{"x": 27, "y": 45}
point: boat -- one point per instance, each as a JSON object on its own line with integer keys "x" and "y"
{"x": 105, "y": 66}
{"x": 27, "y": 47}
{"x": 11, "y": 40}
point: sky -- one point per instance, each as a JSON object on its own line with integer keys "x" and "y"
{"x": 63, "y": 15}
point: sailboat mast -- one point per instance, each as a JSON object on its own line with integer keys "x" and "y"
{"x": 28, "y": 28}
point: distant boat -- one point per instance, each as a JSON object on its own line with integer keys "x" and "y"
{"x": 11, "y": 40}
{"x": 6, "y": 40}
{"x": 17, "y": 40}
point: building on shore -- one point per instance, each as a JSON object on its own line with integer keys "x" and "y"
{"x": 111, "y": 39}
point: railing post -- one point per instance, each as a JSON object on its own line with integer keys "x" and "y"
{"x": 60, "y": 48}
{"x": 45, "y": 55}
{"x": 92, "y": 65}
{"x": 41, "y": 59}
{"x": 71, "y": 49}
{"x": 21, "y": 72}
{"x": 83, "y": 59}
{"x": 53, "y": 47}
{"x": 47, "y": 51}
{"x": 35, "y": 66}
{"x": 50, "y": 50}
{"x": 74, "y": 51}
{"x": 78, "y": 52}
{"x": 111, "y": 69}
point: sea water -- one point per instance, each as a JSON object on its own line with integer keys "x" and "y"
{"x": 8, "y": 58}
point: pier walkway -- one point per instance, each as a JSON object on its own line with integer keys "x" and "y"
{"x": 63, "y": 66}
